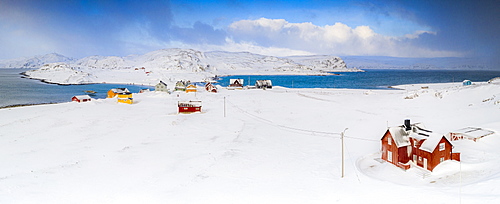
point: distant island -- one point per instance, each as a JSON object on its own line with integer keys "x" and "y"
{"x": 171, "y": 65}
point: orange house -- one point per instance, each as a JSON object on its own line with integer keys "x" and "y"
{"x": 114, "y": 92}
{"x": 191, "y": 88}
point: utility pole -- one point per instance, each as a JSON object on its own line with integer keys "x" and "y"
{"x": 342, "y": 138}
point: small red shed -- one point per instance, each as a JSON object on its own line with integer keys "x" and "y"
{"x": 189, "y": 106}
{"x": 81, "y": 98}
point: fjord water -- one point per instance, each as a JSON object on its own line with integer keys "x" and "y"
{"x": 15, "y": 90}
{"x": 371, "y": 79}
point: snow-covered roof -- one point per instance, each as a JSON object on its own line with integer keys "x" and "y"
{"x": 189, "y": 104}
{"x": 81, "y": 97}
{"x": 472, "y": 132}
{"x": 163, "y": 83}
{"x": 239, "y": 81}
{"x": 400, "y": 136}
{"x": 419, "y": 132}
{"x": 431, "y": 142}
{"x": 120, "y": 90}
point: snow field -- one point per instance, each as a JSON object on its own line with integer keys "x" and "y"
{"x": 274, "y": 146}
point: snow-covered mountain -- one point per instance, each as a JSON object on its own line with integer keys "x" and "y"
{"x": 175, "y": 64}
{"x": 34, "y": 62}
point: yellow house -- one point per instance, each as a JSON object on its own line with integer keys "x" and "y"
{"x": 114, "y": 92}
{"x": 125, "y": 98}
{"x": 191, "y": 88}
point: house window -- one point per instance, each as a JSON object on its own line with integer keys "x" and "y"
{"x": 441, "y": 146}
{"x": 389, "y": 141}
{"x": 389, "y": 156}
{"x": 441, "y": 160}
{"x": 415, "y": 158}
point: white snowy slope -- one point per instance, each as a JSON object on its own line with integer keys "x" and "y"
{"x": 170, "y": 65}
{"x": 273, "y": 146}
{"x": 35, "y": 62}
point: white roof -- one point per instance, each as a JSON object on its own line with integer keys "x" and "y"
{"x": 402, "y": 137}
{"x": 80, "y": 97}
{"x": 232, "y": 81}
{"x": 472, "y": 132}
{"x": 189, "y": 103}
{"x": 120, "y": 90}
{"x": 431, "y": 142}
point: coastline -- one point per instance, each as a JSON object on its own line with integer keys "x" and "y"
{"x": 27, "y": 104}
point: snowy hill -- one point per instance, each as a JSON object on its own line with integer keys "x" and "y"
{"x": 34, "y": 62}
{"x": 175, "y": 64}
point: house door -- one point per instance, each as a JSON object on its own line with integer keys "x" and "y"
{"x": 425, "y": 163}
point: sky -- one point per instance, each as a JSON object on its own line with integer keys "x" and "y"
{"x": 397, "y": 28}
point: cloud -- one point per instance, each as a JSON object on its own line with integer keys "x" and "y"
{"x": 339, "y": 39}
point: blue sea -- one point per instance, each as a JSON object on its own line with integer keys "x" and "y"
{"x": 15, "y": 90}
{"x": 371, "y": 79}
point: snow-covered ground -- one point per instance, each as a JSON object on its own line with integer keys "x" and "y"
{"x": 247, "y": 146}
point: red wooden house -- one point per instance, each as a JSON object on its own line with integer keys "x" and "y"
{"x": 210, "y": 87}
{"x": 413, "y": 144}
{"x": 189, "y": 106}
{"x": 81, "y": 98}
{"x": 235, "y": 84}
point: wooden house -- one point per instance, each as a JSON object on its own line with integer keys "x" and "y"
{"x": 189, "y": 106}
{"x": 413, "y": 144}
{"x": 469, "y": 133}
{"x": 235, "y": 84}
{"x": 161, "y": 86}
{"x": 125, "y": 98}
{"x": 191, "y": 88}
{"x": 81, "y": 98}
{"x": 114, "y": 92}
{"x": 263, "y": 84}
{"x": 181, "y": 85}
{"x": 210, "y": 87}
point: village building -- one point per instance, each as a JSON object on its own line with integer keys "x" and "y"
{"x": 235, "y": 84}
{"x": 210, "y": 87}
{"x": 412, "y": 144}
{"x": 263, "y": 84}
{"x": 191, "y": 88}
{"x": 189, "y": 106}
{"x": 181, "y": 85}
{"x": 467, "y": 82}
{"x": 125, "y": 98}
{"x": 469, "y": 133}
{"x": 81, "y": 98}
{"x": 144, "y": 90}
{"x": 114, "y": 92}
{"x": 161, "y": 86}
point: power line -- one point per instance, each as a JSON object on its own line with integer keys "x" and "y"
{"x": 263, "y": 120}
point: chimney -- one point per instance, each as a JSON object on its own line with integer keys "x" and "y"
{"x": 407, "y": 125}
